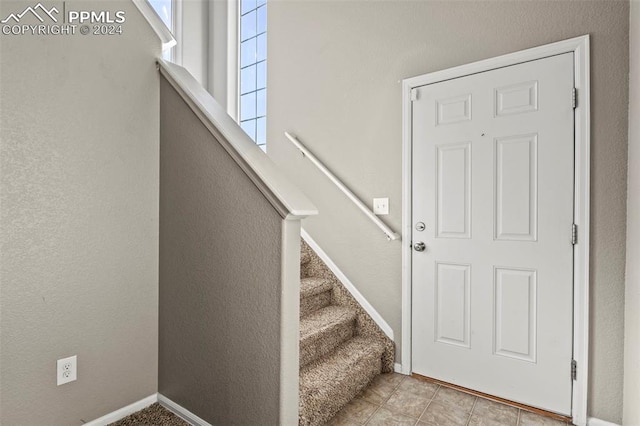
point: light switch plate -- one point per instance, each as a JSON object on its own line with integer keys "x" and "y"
{"x": 381, "y": 206}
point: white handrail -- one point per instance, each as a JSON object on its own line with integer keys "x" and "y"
{"x": 375, "y": 219}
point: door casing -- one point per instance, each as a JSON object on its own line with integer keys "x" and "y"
{"x": 580, "y": 47}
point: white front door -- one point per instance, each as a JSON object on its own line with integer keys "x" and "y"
{"x": 493, "y": 169}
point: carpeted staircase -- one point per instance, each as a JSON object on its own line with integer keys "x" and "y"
{"x": 341, "y": 348}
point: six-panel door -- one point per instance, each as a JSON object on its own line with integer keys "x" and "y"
{"x": 493, "y": 160}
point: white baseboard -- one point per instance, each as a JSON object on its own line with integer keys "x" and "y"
{"x": 397, "y": 368}
{"x": 592, "y": 421}
{"x": 181, "y": 412}
{"x": 349, "y": 285}
{"x": 121, "y": 413}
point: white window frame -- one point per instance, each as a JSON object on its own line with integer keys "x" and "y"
{"x": 176, "y": 22}
{"x": 233, "y": 59}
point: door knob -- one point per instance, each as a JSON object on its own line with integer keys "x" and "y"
{"x": 420, "y": 246}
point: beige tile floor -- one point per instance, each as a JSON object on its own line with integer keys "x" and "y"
{"x": 395, "y": 399}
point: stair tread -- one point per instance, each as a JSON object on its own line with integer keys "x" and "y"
{"x": 326, "y": 371}
{"x": 329, "y": 383}
{"x": 314, "y": 285}
{"x": 305, "y": 258}
{"x": 325, "y": 319}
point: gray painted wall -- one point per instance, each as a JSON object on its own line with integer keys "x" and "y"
{"x": 632, "y": 291}
{"x": 220, "y": 260}
{"x": 79, "y": 219}
{"x": 334, "y": 80}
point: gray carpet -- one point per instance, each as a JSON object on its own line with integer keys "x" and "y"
{"x": 153, "y": 415}
{"x": 341, "y": 348}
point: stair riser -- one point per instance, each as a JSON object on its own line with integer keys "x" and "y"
{"x": 317, "y": 408}
{"x": 315, "y": 302}
{"x": 320, "y": 345}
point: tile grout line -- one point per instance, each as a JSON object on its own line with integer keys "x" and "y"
{"x": 372, "y": 413}
{"x": 384, "y": 401}
{"x": 428, "y": 404}
{"x": 473, "y": 407}
{"x": 371, "y": 416}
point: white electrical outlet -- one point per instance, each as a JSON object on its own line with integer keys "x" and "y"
{"x": 381, "y": 206}
{"x": 67, "y": 370}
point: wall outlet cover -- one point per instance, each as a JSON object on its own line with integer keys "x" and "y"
{"x": 67, "y": 369}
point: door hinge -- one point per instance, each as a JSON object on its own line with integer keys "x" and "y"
{"x": 414, "y": 94}
{"x": 574, "y": 98}
{"x": 574, "y": 369}
{"x": 574, "y": 234}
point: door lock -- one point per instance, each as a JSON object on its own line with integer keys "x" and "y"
{"x": 420, "y": 246}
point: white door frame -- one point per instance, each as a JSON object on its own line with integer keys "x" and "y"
{"x": 580, "y": 47}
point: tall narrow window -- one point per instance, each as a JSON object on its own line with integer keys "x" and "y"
{"x": 253, "y": 69}
{"x": 164, "y": 9}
